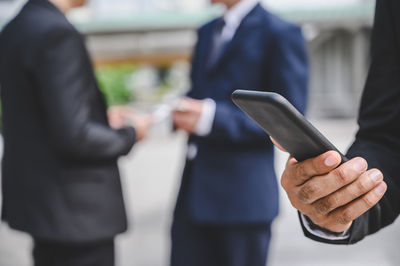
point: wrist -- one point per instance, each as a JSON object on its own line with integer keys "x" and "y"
{"x": 316, "y": 227}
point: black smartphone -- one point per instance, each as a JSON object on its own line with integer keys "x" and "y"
{"x": 283, "y": 122}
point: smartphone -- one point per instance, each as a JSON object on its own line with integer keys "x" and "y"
{"x": 283, "y": 122}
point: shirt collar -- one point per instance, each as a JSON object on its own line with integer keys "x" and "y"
{"x": 234, "y": 16}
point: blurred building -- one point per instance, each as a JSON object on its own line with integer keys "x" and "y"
{"x": 161, "y": 32}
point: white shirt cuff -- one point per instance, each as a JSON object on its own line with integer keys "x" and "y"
{"x": 206, "y": 120}
{"x": 191, "y": 152}
{"x": 323, "y": 234}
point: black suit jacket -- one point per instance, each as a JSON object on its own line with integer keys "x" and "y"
{"x": 378, "y": 138}
{"x": 60, "y": 178}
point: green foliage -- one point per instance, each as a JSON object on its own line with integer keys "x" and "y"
{"x": 113, "y": 83}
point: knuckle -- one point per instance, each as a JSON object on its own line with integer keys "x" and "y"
{"x": 342, "y": 175}
{"x": 344, "y": 218}
{"x": 369, "y": 200}
{"x": 300, "y": 171}
{"x": 307, "y": 192}
{"x": 325, "y": 205}
{"x": 362, "y": 186}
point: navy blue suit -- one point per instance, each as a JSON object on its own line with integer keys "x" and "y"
{"x": 231, "y": 186}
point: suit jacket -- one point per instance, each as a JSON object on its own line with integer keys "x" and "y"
{"x": 60, "y": 179}
{"x": 378, "y": 138}
{"x": 232, "y": 178}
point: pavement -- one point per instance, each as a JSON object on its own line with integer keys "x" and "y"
{"x": 151, "y": 175}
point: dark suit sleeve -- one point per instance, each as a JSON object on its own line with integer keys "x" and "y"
{"x": 64, "y": 76}
{"x": 378, "y": 138}
{"x": 287, "y": 72}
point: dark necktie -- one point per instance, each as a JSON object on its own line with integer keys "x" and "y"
{"x": 218, "y": 42}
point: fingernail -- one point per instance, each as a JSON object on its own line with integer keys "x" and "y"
{"x": 381, "y": 189}
{"x": 331, "y": 161}
{"x": 375, "y": 175}
{"x": 359, "y": 165}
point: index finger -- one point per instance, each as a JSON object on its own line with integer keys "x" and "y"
{"x": 301, "y": 172}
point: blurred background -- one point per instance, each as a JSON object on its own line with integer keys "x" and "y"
{"x": 141, "y": 50}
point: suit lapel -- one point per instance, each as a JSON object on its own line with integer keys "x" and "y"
{"x": 236, "y": 39}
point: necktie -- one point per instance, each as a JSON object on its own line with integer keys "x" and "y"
{"x": 218, "y": 42}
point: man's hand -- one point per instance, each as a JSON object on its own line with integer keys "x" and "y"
{"x": 187, "y": 114}
{"x": 141, "y": 123}
{"x": 117, "y": 116}
{"x": 122, "y": 116}
{"x": 332, "y": 196}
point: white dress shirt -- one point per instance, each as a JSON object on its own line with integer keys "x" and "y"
{"x": 234, "y": 16}
{"x": 203, "y": 126}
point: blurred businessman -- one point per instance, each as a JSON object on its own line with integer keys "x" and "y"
{"x": 60, "y": 178}
{"x": 229, "y": 197}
